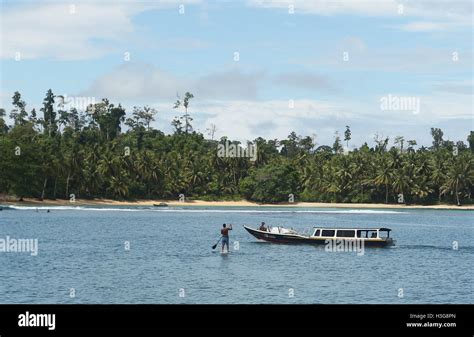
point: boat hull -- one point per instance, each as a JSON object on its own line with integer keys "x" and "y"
{"x": 300, "y": 239}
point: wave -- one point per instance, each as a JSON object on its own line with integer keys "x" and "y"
{"x": 190, "y": 210}
{"x": 444, "y": 248}
{"x": 71, "y": 208}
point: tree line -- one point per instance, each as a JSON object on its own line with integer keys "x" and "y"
{"x": 98, "y": 152}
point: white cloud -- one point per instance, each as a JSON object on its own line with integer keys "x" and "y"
{"x": 135, "y": 81}
{"x": 247, "y": 120}
{"x": 451, "y": 14}
{"x": 353, "y": 44}
{"x": 441, "y": 106}
{"x": 331, "y": 7}
{"x": 233, "y": 83}
{"x": 96, "y": 28}
{"x": 422, "y": 26}
{"x": 229, "y": 99}
{"x": 5, "y": 99}
{"x": 57, "y": 30}
{"x": 138, "y": 81}
{"x": 305, "y": 80}
{"x": 421, "y": 8}
{"x": 455, "y": 87}
{"x": 433, "y": 26}
{"x": 389, "y": 58}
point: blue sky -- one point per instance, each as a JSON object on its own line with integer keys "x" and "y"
{"x": 291, "y": 74}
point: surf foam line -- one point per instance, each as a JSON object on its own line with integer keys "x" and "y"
{"x": 109, "y": 209}
{"x": 280, "y": 211}
{"x": 72, "y": 208}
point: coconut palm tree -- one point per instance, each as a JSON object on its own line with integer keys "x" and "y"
{"x": 438, "y": 173}
{"x": 460, "y": 176}
{"x": 384, "y": 174}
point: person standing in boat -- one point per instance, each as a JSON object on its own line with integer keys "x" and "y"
{"x": 225, "y": 236}
{"x": 262, "y": 227}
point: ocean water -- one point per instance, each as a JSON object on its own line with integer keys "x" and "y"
{"x": 170, "y": 259}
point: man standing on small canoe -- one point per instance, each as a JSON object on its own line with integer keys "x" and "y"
{"x": 225, "y": 237}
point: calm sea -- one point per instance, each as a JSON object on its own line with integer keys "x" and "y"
{"x": 146, "y": 255}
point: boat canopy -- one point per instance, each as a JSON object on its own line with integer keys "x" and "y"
{"x": 357, "y": 229}
{"x": 350, "y": 232}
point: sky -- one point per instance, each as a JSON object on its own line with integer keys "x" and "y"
{"x": 257, "y": 68}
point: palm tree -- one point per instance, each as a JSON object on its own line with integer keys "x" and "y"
{"x": 118, "y": 187}
{"x": 401, "y": 182}
{"x": 384, "y": 175}
{"x": 438, "y": 173}
{"x": 460, "y": 176}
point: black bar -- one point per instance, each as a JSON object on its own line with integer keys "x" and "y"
{"x": 370, "y": 319}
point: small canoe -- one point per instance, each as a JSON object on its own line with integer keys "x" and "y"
{"x": 161, "y": 204}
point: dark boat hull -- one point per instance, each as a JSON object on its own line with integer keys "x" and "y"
{"x": 300, "y": 239}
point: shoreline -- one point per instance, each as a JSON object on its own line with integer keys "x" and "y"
{"x": 240, "y": 203}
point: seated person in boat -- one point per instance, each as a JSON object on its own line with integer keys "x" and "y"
{"x": 262, "y": 227}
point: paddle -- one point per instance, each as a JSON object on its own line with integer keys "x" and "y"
{"x": 214, "y": 247}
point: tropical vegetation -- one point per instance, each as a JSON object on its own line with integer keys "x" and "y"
{"x": 61, "y": 153}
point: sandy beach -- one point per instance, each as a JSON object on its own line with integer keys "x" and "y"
{"x": 240, "y": 203}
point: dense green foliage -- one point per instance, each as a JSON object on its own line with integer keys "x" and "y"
{"x": 89, "y": 154}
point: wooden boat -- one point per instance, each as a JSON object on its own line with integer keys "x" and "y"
{"x": 161, "y": 204}
{"x": 371, "y": 237}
